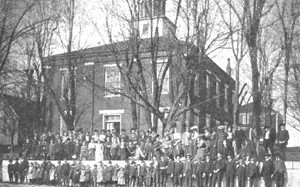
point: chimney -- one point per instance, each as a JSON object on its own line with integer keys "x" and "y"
{"x": 228, "y": 68}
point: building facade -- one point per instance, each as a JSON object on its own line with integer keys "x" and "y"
{"x": 100, "y": 81}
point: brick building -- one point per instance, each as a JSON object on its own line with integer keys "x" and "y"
{"x": 98, "y": 70}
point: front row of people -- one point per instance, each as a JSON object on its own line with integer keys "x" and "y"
{"x": 160, "y": 171}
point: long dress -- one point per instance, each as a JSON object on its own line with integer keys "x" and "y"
{"x": 121, "y": 177}
{"x": 100, "y": 174}
{"x": 99, "y": 153}
{"x": 201, "y": 147}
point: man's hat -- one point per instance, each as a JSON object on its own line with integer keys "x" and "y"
{"x": 282, "y": 124}
{"x": 194, "y": 128}
{"x": 267, "y": 127}
{"x": 267, "y": 154}
{"x": 221, "y": 127}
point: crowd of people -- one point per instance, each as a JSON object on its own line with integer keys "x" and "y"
{"x": 205, "y": 159}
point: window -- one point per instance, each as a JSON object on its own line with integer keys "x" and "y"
{"x": 217, "y": 93}
{"x": 112, "y": 122}
{"x": 65, "y": 89}
{"x": 249, "y": 119}
{"x": 244, "y": 120}
{"x": 207, "y": 86}
{"x": 160, "y": 68}
{"x": 145, "y": 31}
{"x": 62, "y": 125}
{"x": 226, "y": 98}
{"x": 112, "y": 80}
{"x": 208, "y": 120}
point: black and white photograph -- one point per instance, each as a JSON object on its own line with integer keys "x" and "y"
{"x": 149, "y": 93}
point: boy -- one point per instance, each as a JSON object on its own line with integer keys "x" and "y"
{"x": 188, "y": 171}
{"x": 142, "y": 171}
{"x": 207, "y": 171}
{"x": 10, "y": 171}
{"x": 198, "y": 172}
{"x": 230, "y": 171}
{"x": 218, "y": 170}
{"x": 251, "y": 171}
{"x": 241, "y": 172}
{"x": 133, "y": 173}
{"x": 177, "y": 172}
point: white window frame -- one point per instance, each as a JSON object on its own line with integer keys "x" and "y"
{"x": 244, "y": 119}
{"x": 218, "y": 84}
{"x": 111, "y": 66}
{"x": 208, "y": 120}
{"x": 62, "y": 124}
{"x": 226, "y": 98}
{"x": 208, "y": 86}
{"x": 249, "y": 118}
{"x": 160, "y": 63}
{"x": 112, "y": 114}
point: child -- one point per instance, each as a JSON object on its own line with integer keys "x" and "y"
{"x": 149, "y": 175}
{"x": 72, "y": 173}
{"x": 10, "y": 171}
{"x": 30, "y": 172}
{"x": 121, "y": 177}
{"x": 83, "y": 150}
{"x": 133, "y": 173}
{"x": 82, "y": 176}
{"x": 34, "y": 173}
{"x": 142, "y": 171}
{"x": 115, "y": 175}
{"x": 94, "y": 175}
{"x": 58, "y": 174}
{"x": 87, "y": 176}
{"x": 100, "y": 174}
{"x": 52, "y": 174}
{"x": 241, "y": 173}
{"x": 123, "y": 152}
{"x": 77, "y": 176}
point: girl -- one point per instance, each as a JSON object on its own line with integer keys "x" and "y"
{"x": 52, "y": 174}
{"x": 83, "y": 150}
{"x": 123, "y": 152}
{"x": 121, "y": 177}
{"x": 30, "y": 173}
{"x": 82, "y": 176}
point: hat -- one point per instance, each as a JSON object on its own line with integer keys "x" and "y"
{"x": 188, "y": 155}
{"x": 221, "y": 127}
{"x": 282, "y": 124}
{"x": 267, "y": 127}
{"x": 267, "y": 154}
{"x": 194, "y": 128}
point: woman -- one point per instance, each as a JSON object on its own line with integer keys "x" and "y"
{"x": 201, "y": 148}
{"x": 99, "y": 151}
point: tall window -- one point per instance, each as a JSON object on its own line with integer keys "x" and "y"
{"x": 226, "y": 98}
{"x": 244, "y": 119}
{"x": 166, "y": 79}
{"x": 207, "y": 86}
{"x": 112, "y": 80}
{"x": 218, "y": 93}
{"x": 208, "y": 119}
{"x": 65, "y": 89}
{"x": 112, "y": 122}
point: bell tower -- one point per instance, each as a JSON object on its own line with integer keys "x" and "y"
{"x": 152, "y": 19}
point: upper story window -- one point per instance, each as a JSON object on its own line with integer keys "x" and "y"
{"x": 160, "y": 69}
{"x": 249, "y": 119}
{"x": 244, "y": 119}
{"x": 208, "y": 82}
{"x": 226, "y": 97}
{"x": 112, "y": 80}
{"x": 65, "y": 88}
{"x": 218, "y": 93}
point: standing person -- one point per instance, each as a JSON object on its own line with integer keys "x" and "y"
{"x": 121, "y": 177}
{"x": 230, "y": 171}
{"x": 133, "y": 173}
{"x": 229, "y": 142}
{"x": 156, "y": 171}
{"x": 282, "y": 138}
{"x": 188, "y": 171}
{"x": 221, "y": 137}
{"x": 186, "y": 138}
{"x": 16, "y": 170}
{"x": 58, "y": 173}
{"x": 177, "y": 172}
{"x": 218, "y": 170}
{"x": 198, "y": 172}
{"x": 10, "y": 170}
{"x": 268, "y": 141}
{"x": 142, "y": 172}
{"x": 24, "y": 166}
{"x": 94, "y": 175}
{"x": 251, "y": 172}
{"x": 115, "y": 145}
{"x": 65, "y": 170}
{"x": 163, "y": 164}
{"x": 239, "y": 137}
{"x": 241, "y": 173}
{"x": 279, "y": 171}
{"x": 207, "y": 171}
{"x": 267, "y": 170}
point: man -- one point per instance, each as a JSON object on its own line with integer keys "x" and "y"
{"x": 218, "y": 170}
{"x": 16, "y": 170}
{"x": 198, "y": 172}
{"x": 230, "y": 171}
{"x": 241, "y": 173}
{"x": 239, "y": 137}
{"x": 163, "y": 165}
{"x": 267, "y": 170}
{"x": 268, "y": 141}
{"x": 133, "y": 174}
{"x": 279, "y": 170}
{"x": 251, "y": 172}
{"x": 23, "y": 168}
{"x": 282, "y": 138}
{"x": 207, "y": 171}
{"x": 10, "y": 171}
{"x": 188, "y": 171}
{"x": 177, "y": 172}
{"x": 65, "y": 170}
{"x": 26, "y": 148}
